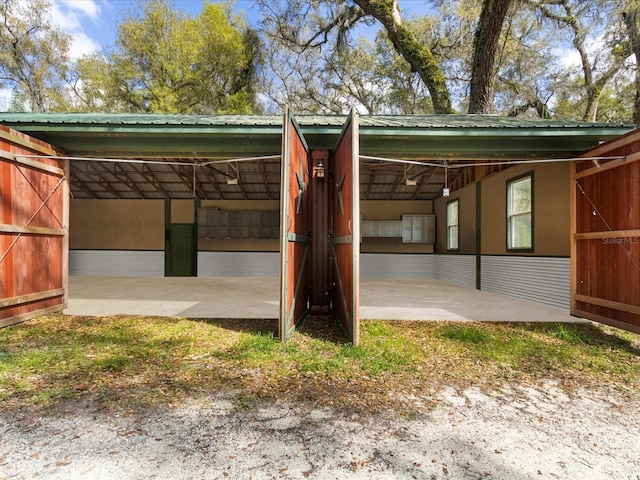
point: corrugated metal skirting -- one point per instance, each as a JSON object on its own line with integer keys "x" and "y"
{"x": 116, "y": 263}
{"x": 539, "y": 279}
{"x": 383, "y": 266}
{"x": 239, "y": 264}
{"x": 456, "y": 269}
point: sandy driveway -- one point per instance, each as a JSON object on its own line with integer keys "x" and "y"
{"x": 526, "y": 433}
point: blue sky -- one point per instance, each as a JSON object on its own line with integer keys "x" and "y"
{"x": 93, "y": 23}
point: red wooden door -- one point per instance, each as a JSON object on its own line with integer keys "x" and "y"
{"x": 34, "y": 213}
{"x": 605, "y": 217}
{"x": 345, "y": 230}
{"x": 295, "y": 228}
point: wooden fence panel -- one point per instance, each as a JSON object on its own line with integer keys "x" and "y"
{"x": 34, "y": 209}
{"x": 605, "y": 226}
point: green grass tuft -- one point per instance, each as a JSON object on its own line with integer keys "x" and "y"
{"x": 465, "y": 334}
{"x": 113, "y": 363}
{"x": 144, "y": 361}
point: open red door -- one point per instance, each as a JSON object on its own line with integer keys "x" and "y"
{"x": 295, "y": 228}
{"x": 345, "y": 230}
{"x": 34, "y": 228}
{"x": 605, "y": 227}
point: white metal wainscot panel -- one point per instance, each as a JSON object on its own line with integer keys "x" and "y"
{"x": 239, "y": 264}
{"x": 539, "y": 279}
{"x": 456, "y": 269}
{"x": 381, "y": 266}
{"x": 116, "y": 263}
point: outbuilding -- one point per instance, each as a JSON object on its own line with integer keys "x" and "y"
{"x": 480, "y": 201}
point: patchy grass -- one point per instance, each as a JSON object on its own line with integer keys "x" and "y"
{"x": 137, "y": 362}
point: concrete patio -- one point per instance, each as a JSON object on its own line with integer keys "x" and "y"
{"x": 245, "y": 297}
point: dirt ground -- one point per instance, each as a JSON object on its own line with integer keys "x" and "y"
{"x": 532, "y": 432}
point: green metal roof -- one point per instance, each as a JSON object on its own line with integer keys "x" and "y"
{"x": 203, "y": 137}
{"x": 406, "y": 136}
{"x": 367, "y": 121}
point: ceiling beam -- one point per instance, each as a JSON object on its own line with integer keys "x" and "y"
{"x": 124, "y": 178}
{"x": 214, "y": 181}
{"x": 424, "y": 180}
{"x": 150, "y": 177}
{"x": 187, "y": 179}
{"x": 263, "y": 171}
{"x": 372, "y": 178}
{"x": 77, "y": 182}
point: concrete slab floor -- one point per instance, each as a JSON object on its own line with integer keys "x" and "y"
{"x": 248, "y": 297}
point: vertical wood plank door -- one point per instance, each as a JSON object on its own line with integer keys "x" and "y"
{"x": 605, "y": 227}
{"x": 345, "y": 230}
{"x": 295, "y": 228}
{"x": 34, "y": 233}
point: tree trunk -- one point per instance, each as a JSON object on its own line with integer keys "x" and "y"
{"x": 419, "y": 56}
{"x": 631, "y": 18}
{"x": 485, "y": 45}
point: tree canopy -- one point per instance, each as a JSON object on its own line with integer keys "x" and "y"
{"x": 34, "y": 56}
{"x": 165, "y": 61}
{"x": 573, "y": 59}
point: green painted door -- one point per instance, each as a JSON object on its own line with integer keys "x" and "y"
{"x": 182, "y": 250}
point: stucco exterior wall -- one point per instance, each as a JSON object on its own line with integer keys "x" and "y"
{"x": 116, "y": 224}
{"x": 466, "y": 216}
{"x": 551, "y": 209}
{"x": 139, "y": 224}
{"x": 551, "y": 212}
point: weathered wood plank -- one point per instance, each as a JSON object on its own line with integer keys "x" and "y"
{"x": 629, "y": 159}
{"x": 28, "y": 316}
{"x": 601, "y": 302}
{"x": 15, "y": 138}
{"x": 576, "y": 312}
{"x": 32, "y": 163}
{"x": 607, "y": 234}
{"x": 46, "y": 231}
{"x": 612, "y": 146}
{"x": 31, "y": 297}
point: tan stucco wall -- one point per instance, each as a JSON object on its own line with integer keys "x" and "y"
{"x": 551, "y": 212}
{"x": 116, "y": 224}
{"x": 467, "y": 220}
{"x": 242, "y": 204}
{"x": 551, "y": 209}
{"x": 386, "y": 210}
{"x": 139, "y": 224}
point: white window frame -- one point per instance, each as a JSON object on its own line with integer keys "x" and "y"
{"x": 451, "y": 226}
{"x": 512, "y": 215}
